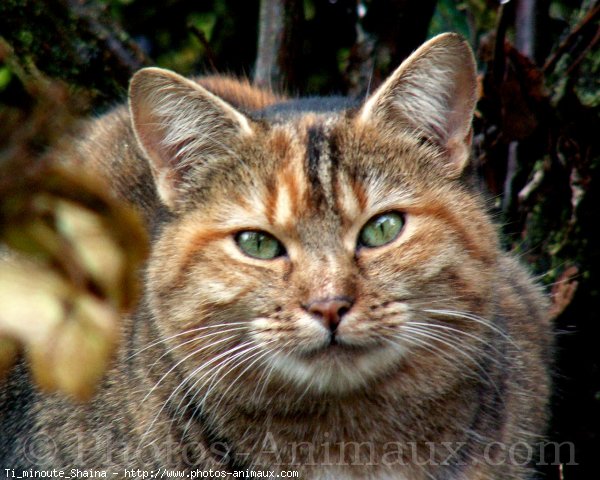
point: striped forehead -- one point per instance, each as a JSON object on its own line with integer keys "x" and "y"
{"x": 308, "y": 178}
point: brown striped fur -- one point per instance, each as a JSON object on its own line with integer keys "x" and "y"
{"x": 225, "y": 365}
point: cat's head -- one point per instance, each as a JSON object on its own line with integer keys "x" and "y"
{"x": 324, "y": 251}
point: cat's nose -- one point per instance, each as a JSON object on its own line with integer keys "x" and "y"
{"x": 330, "y": 310}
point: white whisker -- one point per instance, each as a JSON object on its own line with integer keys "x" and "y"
{"x": 474, "y": 318}
{"x": 458, "y": 348}
{"x": 186, "y": 332}
{"x": 183, "y": 382}
{"x": 218, "y": 375}
{"x": 195, "y": 339}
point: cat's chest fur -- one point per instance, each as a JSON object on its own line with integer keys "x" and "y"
{"x": 324, "y": 292}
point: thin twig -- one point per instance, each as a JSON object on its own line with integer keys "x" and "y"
{"x": 498, "y": 63}
{"x": 585, "y": 51}
{"x": 566, "y": 45}
{"x": 210, "y": 54}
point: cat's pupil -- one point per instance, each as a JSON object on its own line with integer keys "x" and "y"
{"x": 259, "y": 244}
{"x": 381, "y": 230}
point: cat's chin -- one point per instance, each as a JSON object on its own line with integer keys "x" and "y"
{"x": 338, "y": 369}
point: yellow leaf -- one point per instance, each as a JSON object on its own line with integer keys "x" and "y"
{"x": 94, "y": 246}
{"x": 9, "y": 350}
{"x": 76, "y": 355}
{"x": 68, "y": 335}
{"x": 32, "y": 298}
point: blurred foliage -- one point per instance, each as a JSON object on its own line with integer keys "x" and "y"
{"x": 69, "y": 252}
{"x": 76, "y": 41}
{"x": 212, "y": 35}
{"x": 454, "y": 16}
{"x": 69, "y": 275}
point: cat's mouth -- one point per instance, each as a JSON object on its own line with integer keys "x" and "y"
{"x": 337, "y": 367}
{"x": 337, "y": 347}
{"x": 331, "y": 362}
{"x": 338, "y": 351}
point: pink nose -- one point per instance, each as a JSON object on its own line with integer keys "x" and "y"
{"x": 330, "y": 310}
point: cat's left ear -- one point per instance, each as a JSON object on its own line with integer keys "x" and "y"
{"x": 433, "y": 94}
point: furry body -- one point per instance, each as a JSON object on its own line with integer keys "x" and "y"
{"x": 436, "y": 365}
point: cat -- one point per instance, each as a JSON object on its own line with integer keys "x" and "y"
{"x": 325, "y": 295}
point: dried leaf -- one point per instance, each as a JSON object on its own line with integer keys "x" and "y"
{"x": 76, "y": 354}
{"x": 74, "y": 251}
{"x": 68, "y": 335}
{"x": 92, "y": 247}
{"x": 69, "y": 222}
{"x": 32, "y": 299}
{"x": 72, "y": 272}
{"x": 9, "y": 350}
{"x": 523, "y": 96}
{"x": 563, "y": 291}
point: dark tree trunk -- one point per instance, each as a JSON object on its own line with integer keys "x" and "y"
{"x": 278, "y": 43}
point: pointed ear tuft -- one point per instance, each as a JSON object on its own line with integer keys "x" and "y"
{"x": 433, "y": 94}
{"x": 180, "y": 125}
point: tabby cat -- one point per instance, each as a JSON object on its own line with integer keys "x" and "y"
{"x": 325, "y": 293}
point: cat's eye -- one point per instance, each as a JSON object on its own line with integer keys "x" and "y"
{"x": 259, "y": 244}
{"x": 381, "y": 230}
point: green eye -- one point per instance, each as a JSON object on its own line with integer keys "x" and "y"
{"x": 381, "y": 230}
{"x": 259, "y": 245}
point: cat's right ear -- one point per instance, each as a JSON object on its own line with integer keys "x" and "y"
{"x": 180, "y": 125}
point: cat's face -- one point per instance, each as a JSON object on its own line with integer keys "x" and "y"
{"x": 324, "y": 252}
{"x": 325, "y": 262}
